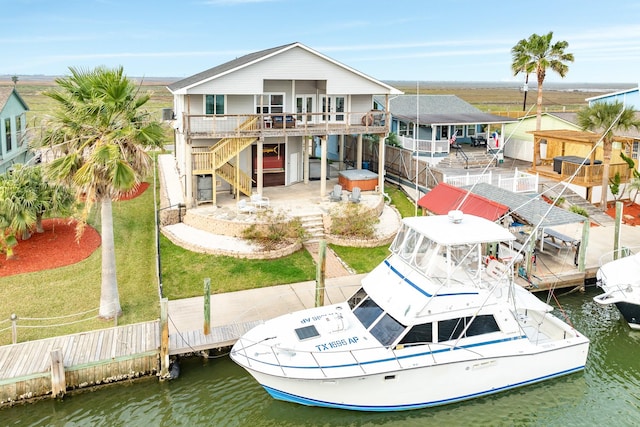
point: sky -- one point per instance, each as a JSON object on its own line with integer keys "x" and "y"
{"x": 410, "y": 40}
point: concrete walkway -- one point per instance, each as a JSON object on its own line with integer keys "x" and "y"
{"x": 234, "y": 308}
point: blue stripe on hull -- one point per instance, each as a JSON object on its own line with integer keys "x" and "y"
{"x": 287, "y": 397}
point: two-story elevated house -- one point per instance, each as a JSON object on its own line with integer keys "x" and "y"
{"x": 266, "y": 119}
{"x": 13, "y": 124}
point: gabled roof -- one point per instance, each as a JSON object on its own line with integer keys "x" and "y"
{"x": 530, "y": 208}
{"x": 445, "y": 197}
{"x": 255, "y": 57}
{"x": 439, "y": 110}
{"x": 5, "y": 94}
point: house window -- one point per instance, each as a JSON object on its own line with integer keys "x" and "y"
{"x": 214, "y": 104}
{"x": 458, "y": 131}
{"x": 270, "y": 103}
{"x": 19, "y": 129}
{"x": 634, "y": 149}
{"x": 471, "y": 130}
{"x": 7, "y": 133}
{"x": 405, "y": 129}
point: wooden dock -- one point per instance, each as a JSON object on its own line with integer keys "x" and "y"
{"x": 88, "y": 358}
{"x": 54, "y": 365}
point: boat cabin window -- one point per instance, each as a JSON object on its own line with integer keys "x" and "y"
{"x": 367, "y": 312}
{"x": 358, "y": 296}
{"x": 387, "y": 330}
{"x": 418, "y": 334}
{"x": 451, "y": 329}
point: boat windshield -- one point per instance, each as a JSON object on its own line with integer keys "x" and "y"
{"x": 367, "y": 312}
{"x": 385, "y": 328}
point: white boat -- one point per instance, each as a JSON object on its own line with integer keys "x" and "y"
{"x": 620, "y": 281}
{"x": 434, "y": 323}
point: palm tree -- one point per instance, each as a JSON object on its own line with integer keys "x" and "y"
{"x": 607, "y": 118}
{"x": 100, "y": 135}
{"x": 535, "y": 55}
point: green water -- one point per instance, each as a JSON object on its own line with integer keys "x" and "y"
{"x": 219, "y": 393}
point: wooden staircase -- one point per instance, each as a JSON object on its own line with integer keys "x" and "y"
{"x": 218, "y": 159}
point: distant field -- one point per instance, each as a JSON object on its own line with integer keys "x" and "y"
{"x": 491, "y": 99}
{"x": 504, "y": 99}
{"x": 40, "y": 105}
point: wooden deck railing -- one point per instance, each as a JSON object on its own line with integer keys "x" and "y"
{"x": 592, "y": 174}
{"x": 235, "y": 125}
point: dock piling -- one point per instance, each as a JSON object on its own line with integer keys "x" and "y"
{"x": 58, "y": 380}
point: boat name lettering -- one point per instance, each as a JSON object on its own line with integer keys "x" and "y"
{"x": 336, "y": 344}
{"x": 313, "y": 319}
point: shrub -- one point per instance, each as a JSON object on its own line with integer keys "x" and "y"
{"x": 354, "y": 220}
{"x": 580, "y": 211}
{"x": 274, "y": 230}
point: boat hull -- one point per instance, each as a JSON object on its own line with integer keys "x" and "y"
{"x": 427, "y": 386}
{"x": 630, "y": 312}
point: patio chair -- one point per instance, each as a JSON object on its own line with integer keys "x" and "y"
{"x": 336, "y": 194}
{"x": 355, "y": 195}
{"x": 259, "y": 201}
{"x": 243, "y": 207}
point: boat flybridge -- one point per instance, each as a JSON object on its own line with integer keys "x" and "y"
{"x": 438, "y": 321}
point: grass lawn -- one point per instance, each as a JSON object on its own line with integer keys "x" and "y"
{"x": 61, "y": 293}
{"x": 183, "y": 272}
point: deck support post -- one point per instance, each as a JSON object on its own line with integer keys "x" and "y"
{"x": 58, "y": 380}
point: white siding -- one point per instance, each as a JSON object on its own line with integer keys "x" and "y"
{"x": 294, "y": 64}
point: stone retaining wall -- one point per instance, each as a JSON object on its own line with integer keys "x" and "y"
{"x": 257, "y": 254}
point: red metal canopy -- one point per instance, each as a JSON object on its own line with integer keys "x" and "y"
{"x": 444, "y": 197}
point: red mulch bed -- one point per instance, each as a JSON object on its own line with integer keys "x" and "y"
{"x": 57, "y": 246}
{"x": 630, "y": 213}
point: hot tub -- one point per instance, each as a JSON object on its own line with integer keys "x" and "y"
{"x": 557, "y": 162}
{"x": 363, "y": 178}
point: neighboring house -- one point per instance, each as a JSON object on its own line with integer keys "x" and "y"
{"x": 13, "y": 125}
{"x": 436, "y": 119}
{"x": 258, "y": 121}
{"x": 629, "y": 97}
{"x": 518, "y": 137}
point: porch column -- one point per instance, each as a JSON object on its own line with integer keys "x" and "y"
{"x": 260, "y": 165}
{"x": 381, "y": 155}
{"x": 341, "y": 152}
{"x": 323, "y": 166}
{"x": 359, "y": 153}
{"x": 306, "y": 141}
{"x": 188, "y": 180}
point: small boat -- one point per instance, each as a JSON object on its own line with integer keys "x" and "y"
{"x": 438, "y": 321}
{"x": 620, "y": 282}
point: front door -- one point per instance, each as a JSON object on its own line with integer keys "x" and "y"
{"x": 304, "y": 108}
